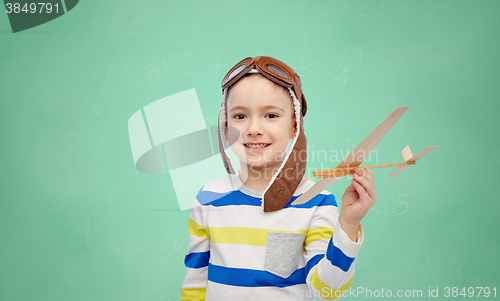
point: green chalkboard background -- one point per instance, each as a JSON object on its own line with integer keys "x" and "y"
{"x": 78, "y": 221}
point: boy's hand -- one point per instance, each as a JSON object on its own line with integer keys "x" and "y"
{"x": 358, "y": 198}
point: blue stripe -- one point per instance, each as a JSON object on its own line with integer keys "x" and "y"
{"x": 217, "y": 199}
{"x": 313, "y": 262}
{"x": 252, "y": 278}
{"x": 319, "y": 200}
{"x": 197, "y": 260}
{"x": 337, "y": 257}
{"x": 236, "y": 197}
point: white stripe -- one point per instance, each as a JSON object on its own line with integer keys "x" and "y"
{"x": 197, "y": 278}
{"x": 291, "y": 218}
{"x": 333, "y": 276}
{"x": 322, "y": 217}
{"x": 242, "y": 256}
{"x": 221, "y": 292}
{"x": 198, "y": 244}
{"x": 317, "y": 247}
{"x": 238, "y": 256}
{"x": 288, "y": 219}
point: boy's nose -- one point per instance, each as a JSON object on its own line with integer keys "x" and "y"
{"x": 255, "y": 128}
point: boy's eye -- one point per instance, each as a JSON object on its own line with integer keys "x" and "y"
{"x": 272, "y": 115}
{"x": 239, "y": 116}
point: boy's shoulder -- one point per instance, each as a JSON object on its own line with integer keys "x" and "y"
{"x": 216, "y": 190}
{"x": 221, "y": 185}
{"x": 231, "y": 183}
{"x": 306, "y": 184}
{"x": 323, "y": 198}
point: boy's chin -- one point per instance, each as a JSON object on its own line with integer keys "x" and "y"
{"x": 262, "y": 165}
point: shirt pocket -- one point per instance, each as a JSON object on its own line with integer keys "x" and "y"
{"x": 283, "y": 251}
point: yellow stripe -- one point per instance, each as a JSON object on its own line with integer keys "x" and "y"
{"x": 241, "y": 235}
{"x": 318, "y": 233}
{"x": 326, "y": 291}
{"x": 196, "y": 230}
{"x": 360, "y": 233}
{"x": 193, "y": 294}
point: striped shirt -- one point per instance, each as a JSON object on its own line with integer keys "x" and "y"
{"x": 238, "y": 252}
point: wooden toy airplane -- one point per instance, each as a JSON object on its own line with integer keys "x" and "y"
{"x": 352, "y": 161}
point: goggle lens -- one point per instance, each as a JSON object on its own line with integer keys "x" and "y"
{"x": 236, "y": 71}
{"x": 276, "y": 70}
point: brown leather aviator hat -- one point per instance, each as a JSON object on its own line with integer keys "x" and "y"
{"x": 285, "y": 181}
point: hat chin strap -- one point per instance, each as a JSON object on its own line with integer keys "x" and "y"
{"x": 287, "y": 178}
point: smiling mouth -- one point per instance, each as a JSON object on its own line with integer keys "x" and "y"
{"x": 256, "y": 145}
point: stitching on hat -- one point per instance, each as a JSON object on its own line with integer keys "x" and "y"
{"x": 296, "y": 165}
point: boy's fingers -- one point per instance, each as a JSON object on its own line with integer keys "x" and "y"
{"x": 367, "y": 185}
{"x": 364, "y": 179}
{"x": 359, "y": 189}
{"x": 372, "y": 181}
{"x": 367, "y": 174}
{"x": 364, "y": 196}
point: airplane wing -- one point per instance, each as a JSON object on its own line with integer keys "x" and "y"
{"x": 357, "y": 155}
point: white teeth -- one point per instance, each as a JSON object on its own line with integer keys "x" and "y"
{"x": 257, "y": 145}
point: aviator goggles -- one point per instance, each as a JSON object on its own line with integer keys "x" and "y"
{"x": 271, "y": 68}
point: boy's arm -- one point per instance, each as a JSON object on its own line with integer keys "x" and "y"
{"x": 330, "y": 253}
{"x": 194, "y": 286}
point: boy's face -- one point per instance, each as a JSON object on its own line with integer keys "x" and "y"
{"x": 264, "y": 116}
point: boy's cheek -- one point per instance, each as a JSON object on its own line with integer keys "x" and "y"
{"x": 233, "y": 135}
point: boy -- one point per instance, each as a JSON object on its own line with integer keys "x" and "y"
{"x": 247, "y": 241}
